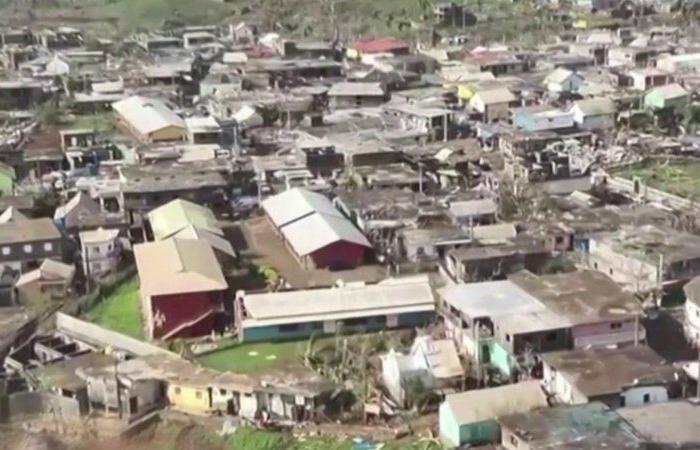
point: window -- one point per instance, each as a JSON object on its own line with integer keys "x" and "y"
{"x": 647, "y": 398}
{"x": 27, "y": 248}
{"x": 6, "y": 251}
{"x": 96, "y": 249}
{"x": 507, "y": 337}
{"x": 177, "y": 391}
{"x": 222, "y": 391}
{"x": 551, "y": 337}
{"x": 355, "y": 322}
{"x": 513, "y": 440}
{"x": 616, "y": 325}
{"x": 289, "y": 328}
{"x": 610, "y": 271}
{"x": 198, "y": 394}
{"x": 48, "y": 246}
{"x": 595, "y": 265}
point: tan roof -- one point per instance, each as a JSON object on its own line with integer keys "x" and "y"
{"x": 488, "y": 404}
{"x": 49, "y": 270}
{"x": 28, "y": 231}
{"x": 178, "y": 265}
{"x": 11, "y": 214}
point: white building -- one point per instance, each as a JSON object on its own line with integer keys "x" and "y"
{"x": 101, "y": 251}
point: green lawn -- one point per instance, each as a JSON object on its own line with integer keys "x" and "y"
{"x": 121, "y": 310}
{"x": 99, "y": 122}
{"x": 255, "y": 357}
{"x": 680, "y": 177}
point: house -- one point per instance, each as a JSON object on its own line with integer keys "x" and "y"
{"x": 644, "y": 258}
{"x": 594, "y": 113}
{"x": 500, "y": 323}
{"x": 492, "y": 104}
{"x": 563, "y": 80}
{"x": 356, "y": 94}
{"x": 24, "y": 244}
{"x": 196, "y": 39}
{"x": 627, "y": 376}
{"x": 469, "y": 418}
{"x": 499, "y": 326}
{"x": 648, "y": 78}
{"x": 203, "y": 130}
{"x": 51, "y": 281}
{"x": 186, "y": 220}
{"x": 316, "y": 233}
{"x": 149, "y": 120}
{"x": 542, "y": 118}
{"x": 672, "y": 424}
{"x": 181, "y": 289}
{"x": 392, "y": 303}
{"x": 589, "y": 426}
{"x": 101, "y": 251}
{"x": 668, "y": 97}
{"x": 599, "y": 312}
{"x": 129, "y": 388}
{"x": 680, "y": 63}
{"x": 473, "y": 212}
{"x": 437, "y": 123}
{"x": 434, "y": 362}
{"x": 83, "y": 213}
{"x": 361, "y": 47}
{"x": 20, "y": 95}
{"x": 692, "y": 310}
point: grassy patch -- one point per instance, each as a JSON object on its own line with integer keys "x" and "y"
{"x": 679, "y": 177}
{"x": 98, "y": 122}
{"x": 255, "y": 357}
{"x": 121, "y": 310}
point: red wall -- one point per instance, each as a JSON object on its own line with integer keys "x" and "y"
{"x": 181, "y": 308}
{"x": 340, "y": 255}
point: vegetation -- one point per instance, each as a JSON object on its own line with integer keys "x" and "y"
{"x": 100, "y": 122}
{"x": 120, "y": 310}
{"x": 255, "y": 357}
{"x": 680, "y": 177}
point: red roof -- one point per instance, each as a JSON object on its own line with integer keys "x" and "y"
{"x": 381, "y": 45}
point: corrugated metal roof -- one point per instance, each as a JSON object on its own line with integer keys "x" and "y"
{"x": 316, "y": 231}
{"x": 390, "y": 296}
{"x": 296, "y": 203}
{"x": 147, "y": 115}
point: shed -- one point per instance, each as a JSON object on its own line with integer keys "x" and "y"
{"x": 150, "y": 120}
{"x": 470, "y": 417}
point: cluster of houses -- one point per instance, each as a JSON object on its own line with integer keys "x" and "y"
{"x": 477, "y": 196}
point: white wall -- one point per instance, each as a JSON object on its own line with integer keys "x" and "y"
{"x": 635, "y": 396}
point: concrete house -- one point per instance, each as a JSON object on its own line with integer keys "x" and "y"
{"x": 469, "y": 418}
{"x": 592, "y": 426}
{"x": 392, "y": 303}
{"x": 563, "y": 80}
{"x": 594, "y": 113}
{"x": 360, "y": 47}
{"x": 628, "y": 376}
{"x": 668, "y": 256}
{"x": 315, "y": 232}
{"x": 542, "y": 118}
{"x": 648, "y": 78}
{"x": 52, "y": 281}
{"x": 24, "y": 244}
{"x": 356, "y": 94}
{"x": 101, "y": 251}
{"x": 149, "y": 120}
{"x": 668, "y": 97}
{"x": 181, "y": 289}
{"x": 492, "y": 104}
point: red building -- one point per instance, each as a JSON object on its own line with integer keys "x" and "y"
{"x": 316, "y": 233}
{"x": 182, "y": 287}
{"x": 382, "y": 45}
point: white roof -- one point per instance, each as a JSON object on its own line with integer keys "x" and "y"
{"x": 497, "y": 232}
{"x": 98, "y": 235}
{"x": 496, "y": 95}
{"x": 473, "y": 207}
{"x": 353, "y": 88}
{"x": 235, "y": 58}
{"x": 147, "y": 115}
{"x": 296, "y": 203}
{"x": 559, "y": 75}
{"x": 317, "y": 231}
{"x": 391, "y": 296}
{"x": 202, "y": 123}
{"x": 490, "y": 299}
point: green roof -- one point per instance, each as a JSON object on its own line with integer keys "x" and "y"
{"x": 171, "y": 218}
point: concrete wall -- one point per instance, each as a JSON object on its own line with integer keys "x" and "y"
{"x": 102, "y": 337}
{"x": 22, "y": 405}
